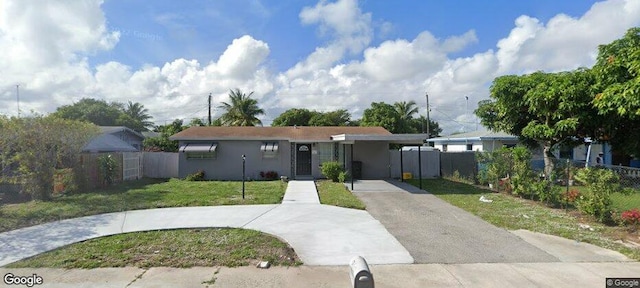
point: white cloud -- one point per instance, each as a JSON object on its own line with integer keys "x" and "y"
{"x": 46, "y": 47}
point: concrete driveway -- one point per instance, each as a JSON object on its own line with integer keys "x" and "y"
{"x": 320, "y": 234}
{"x": 435, "y": 231}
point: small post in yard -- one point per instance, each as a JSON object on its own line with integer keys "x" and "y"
{"x": 420, "y": 166}
{"x": 243, "y": 173}
{"x": 568, "y": 175}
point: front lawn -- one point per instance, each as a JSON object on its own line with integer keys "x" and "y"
{"x": 169, "y": 248}
{"x": 140, "y": 194}
{"x": 337, "y": 194}
{"x": 514, "y": 213}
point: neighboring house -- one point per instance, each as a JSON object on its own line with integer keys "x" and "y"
{"x": 295, "y": 152}
{"x": 115, "y": 139}
{"x": 474, "y": 141}
{"x": 489, "y": 141}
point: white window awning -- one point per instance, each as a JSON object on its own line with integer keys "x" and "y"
{"x": 269, "y": 147}
{"x": 199, "y": 147}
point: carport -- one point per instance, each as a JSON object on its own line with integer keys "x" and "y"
{"x": 350, "y": 141}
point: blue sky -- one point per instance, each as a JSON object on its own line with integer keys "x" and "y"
{"x": 321, "y": 55}
{"x": 155, "y": 32}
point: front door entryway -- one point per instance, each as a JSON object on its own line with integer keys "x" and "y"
{"x": 303, "y": 159}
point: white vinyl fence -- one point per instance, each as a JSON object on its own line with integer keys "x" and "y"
{"x": 160, "y": 165}
{"x": 132, "y": 165}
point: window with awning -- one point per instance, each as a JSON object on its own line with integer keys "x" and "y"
{"x": 269, "y": 149}
{"x": 199, "y": 150}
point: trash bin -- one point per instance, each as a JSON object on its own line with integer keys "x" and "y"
{"x": 356, "y": 167}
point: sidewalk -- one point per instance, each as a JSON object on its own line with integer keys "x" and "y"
{"x": 320, "y": 234}
{"x": 415, "y": 275}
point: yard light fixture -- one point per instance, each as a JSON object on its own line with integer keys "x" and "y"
{"x": 243, "y": 173}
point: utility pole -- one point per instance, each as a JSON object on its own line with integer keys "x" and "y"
{"x": 209, "y": 109}
{"x": 18, "y": 98}
{"x": 466, "y": 112}
{"x": 428, "y": 131}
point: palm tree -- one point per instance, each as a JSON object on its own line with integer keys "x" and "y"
{"x": 406, "y": 109}
{"x": 139, "y": 115}
{"x": 241, "y": 111}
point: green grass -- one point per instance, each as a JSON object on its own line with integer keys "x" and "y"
{"x": 336, "y": 194}
{"x": 140, "y": 194}
{"x": 169, "y": 248}
{"x": 514, "y": 213}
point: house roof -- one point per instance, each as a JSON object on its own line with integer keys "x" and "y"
{"x": 108, "y": 143}
{"x": 116, "y": 129}
{"x": 292, "y": 133}
{"x": 475, "y": 136}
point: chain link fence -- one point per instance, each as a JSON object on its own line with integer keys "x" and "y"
{"x": 565, "y": 169}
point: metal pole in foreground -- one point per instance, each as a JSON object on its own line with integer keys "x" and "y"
{"x": 243, "y": 173}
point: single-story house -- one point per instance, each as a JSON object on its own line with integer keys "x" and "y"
{"x": 296, "y": 152}
{"x": 474, "y": 141}
{"x": 115, "y": 139}
{"x": 488, "y": 141}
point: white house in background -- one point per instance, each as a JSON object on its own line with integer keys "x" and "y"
{"x": 474, "y": 141}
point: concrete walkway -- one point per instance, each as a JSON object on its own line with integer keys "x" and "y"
{"x": 320, "y": 234}
{"x": 301, "y": 192}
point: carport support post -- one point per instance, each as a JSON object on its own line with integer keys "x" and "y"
{"x": 401, "y": 166}
{"x": 243, "y": 174}
{"x": 352, "y": 165}
{"x": 420, "y": 166}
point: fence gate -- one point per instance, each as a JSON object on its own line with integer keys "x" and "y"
{"x": 131, "y": 165}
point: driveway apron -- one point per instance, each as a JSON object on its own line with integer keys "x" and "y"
{"x": 434, "y": 231}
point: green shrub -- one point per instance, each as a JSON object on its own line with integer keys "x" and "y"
{"x": 108, "y": 167}
{"x": 198, "y": 176}
{"x": 495, "y": 166}
{"x": 331, "y": 170}
{"x": 343, "y": 176}
{"x": 596, "y": 201}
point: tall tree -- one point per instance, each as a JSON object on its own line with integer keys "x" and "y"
{"x": 242, "y": 110}
{"x": 98, "y": 112}
{"x": 339, "y": 117}
{"x": 162, "y": 143}
{"x": 617, "y": 71}
{"x": 406, "y": 109}
{"x": 294, "y": 116}
{"x": 420, "y": 125}
{"x": 381, "y": 114}
{"x": 34, "y": 147}
{"x": 548, "y": 108}
{"x": 138, "y": 115}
